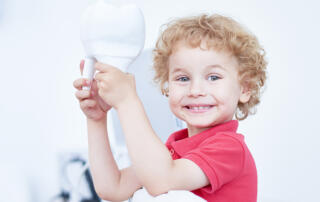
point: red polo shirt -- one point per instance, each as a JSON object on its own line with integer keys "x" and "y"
{"x": 223, "y": 156}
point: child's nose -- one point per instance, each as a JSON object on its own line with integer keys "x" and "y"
{"x": 196, "y": 89}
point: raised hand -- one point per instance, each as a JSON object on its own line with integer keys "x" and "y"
{"x": 91, "y": 103}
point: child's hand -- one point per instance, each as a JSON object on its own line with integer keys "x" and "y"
{"x": 114, "y": 86}
{"x": 90, "y": 102}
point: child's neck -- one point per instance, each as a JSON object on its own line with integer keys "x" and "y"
{"x": 193, "y": 131}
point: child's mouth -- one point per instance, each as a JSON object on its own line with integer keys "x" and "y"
{"x": 199, "y": 109}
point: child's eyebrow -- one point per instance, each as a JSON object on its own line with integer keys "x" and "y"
{"x": 216, "y": 66}
{"x": 177, "y": 70}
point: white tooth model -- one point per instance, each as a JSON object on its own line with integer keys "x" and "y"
{"x": 112, "y": 34}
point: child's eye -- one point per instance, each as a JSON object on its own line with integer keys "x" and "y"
{"x": 183, "y": 78}
{"x": 213, "y": 78}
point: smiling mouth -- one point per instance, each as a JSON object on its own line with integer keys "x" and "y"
{"x": 198, "y": 109}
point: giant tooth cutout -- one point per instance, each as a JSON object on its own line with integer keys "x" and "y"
{"x": 111, "y": 33}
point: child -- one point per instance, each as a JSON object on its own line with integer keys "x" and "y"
{"x": 211, "y": 69}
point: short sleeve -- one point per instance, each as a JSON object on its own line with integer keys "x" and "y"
{"x": 221, "y": 158}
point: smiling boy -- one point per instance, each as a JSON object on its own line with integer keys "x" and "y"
{"x": 204, "y": 87}
{"x": 211, "y": 69}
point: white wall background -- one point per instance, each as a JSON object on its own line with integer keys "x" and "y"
{"x": 40, "y": 51}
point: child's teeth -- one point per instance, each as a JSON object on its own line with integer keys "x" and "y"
{"x": 200, "y": 108}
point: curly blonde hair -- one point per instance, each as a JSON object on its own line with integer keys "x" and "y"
{"x": 222, "y": 34}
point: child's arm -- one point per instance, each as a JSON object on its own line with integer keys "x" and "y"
{"x": 151, "y": 160}
{"x": 110, "y": 183}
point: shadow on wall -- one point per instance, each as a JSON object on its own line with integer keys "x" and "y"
{"x": 156, "y": 105}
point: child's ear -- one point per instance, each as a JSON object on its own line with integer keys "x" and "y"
{"x": 245, "y": 94}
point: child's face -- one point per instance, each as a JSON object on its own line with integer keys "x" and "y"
{"x": 204, "y": 87}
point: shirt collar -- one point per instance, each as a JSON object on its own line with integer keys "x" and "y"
{"x": 182, "y": 143}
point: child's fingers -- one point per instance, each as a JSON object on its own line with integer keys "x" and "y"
{"x": 81, "y": 82}
{"x": 82, "y": 94}
{"x": 87, "y": 103}
{"x": 101, "y": 67}
{"x": 81, "y": 66}
{"x": 94, "y": 86}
